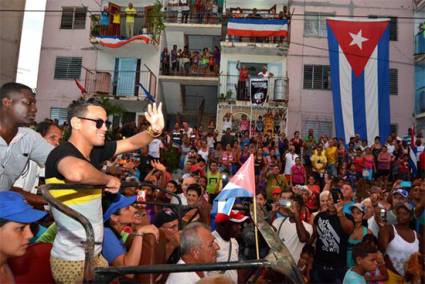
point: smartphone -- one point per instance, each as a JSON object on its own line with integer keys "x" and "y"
{"x": 383, "y": 214}
{"x": 336, "y": 194}
{"x": 285, "y": 203}
{"x": 141, "y": 196}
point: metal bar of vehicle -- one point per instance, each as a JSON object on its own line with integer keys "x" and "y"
{"x": 107, "y": 274}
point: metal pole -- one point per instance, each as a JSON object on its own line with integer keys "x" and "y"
{"x": 105, "y": 275}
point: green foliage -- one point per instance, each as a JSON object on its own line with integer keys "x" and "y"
{"x": 156, "y": 21}
{"x": 111, "y": 107}
{"x": 95, "y": 25}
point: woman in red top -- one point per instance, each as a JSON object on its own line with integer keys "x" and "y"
{"x": 368, "y": 164}
{"x": 298, "y": 173}
{"x": 358, "y": 162}
{"x": 243, "y": 76}
{"x": 314, "y": 190}
{"x": 384, "y": 163}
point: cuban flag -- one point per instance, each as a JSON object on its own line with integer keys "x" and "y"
{"x": 359, "y": 60}
{"x": 242, "y": 184}
{"x": 247, "y": 27}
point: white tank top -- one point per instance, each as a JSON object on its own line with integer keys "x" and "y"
{"x": 399, "y": 251}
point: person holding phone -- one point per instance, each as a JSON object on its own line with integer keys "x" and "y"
{"x": 398, "y": 241}
{"x": 331, "y": 230}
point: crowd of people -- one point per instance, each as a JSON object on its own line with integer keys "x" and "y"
{"x": 178, "y": 61}
{"x": 347, "y": 213}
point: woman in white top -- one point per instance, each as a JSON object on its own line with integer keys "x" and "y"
{"x": 398, "y": 241}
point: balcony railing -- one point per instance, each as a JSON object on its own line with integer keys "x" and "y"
{"x": 121, "y": 83}
{"x": 191, "y": 65}
{"x": 420, "y": 43}
{"x": 185, "y": 14}
{"x": 141, "y": 27}
{"x": 232, "y": 89}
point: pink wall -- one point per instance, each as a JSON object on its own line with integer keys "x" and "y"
{"x": 61, "y": 42}
{"x": 317, "y": 104}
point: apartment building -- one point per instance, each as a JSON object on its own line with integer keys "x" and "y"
{"x": 310, "y": 96}
{"x": 419, "y": 57}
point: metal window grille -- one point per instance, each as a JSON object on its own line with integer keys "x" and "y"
{"x": 393, "y": 82}
{"x": 68, "y": 68}
{"x": 315, "y": 24}
{"x": 73, "y": 18}
{"x": 317, "y": 77}
{"x": 59, "y": 113}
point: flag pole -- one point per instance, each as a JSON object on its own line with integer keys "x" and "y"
{"x": 257, "y": 249}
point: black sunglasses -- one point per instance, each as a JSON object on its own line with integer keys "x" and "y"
{"x": 99, "y": 122}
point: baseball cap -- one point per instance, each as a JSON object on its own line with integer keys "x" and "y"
{"x": 165, "y": 216}
{"x": 358, "y": 206}
{"x": 276, "y": 190}
{"x": 235, "y": 217}
{"x": 13, "y": 207}
{"x": 119, "y": 202}
{"x": 402, "y": 192}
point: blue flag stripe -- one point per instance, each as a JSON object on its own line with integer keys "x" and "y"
{"x": 358, "y": 97}
{"x": 334, "y": 62}
{"x": 384, "y": 86}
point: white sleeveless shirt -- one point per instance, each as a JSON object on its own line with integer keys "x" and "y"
{"x": 399, "y": 250}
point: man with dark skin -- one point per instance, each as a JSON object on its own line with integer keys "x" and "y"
{"x": 19, "y": 144}
{"x": 228, "y": 230}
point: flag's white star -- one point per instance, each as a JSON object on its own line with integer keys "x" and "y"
{"x": 240, "y": 176}
{"x": 358, "y": 39}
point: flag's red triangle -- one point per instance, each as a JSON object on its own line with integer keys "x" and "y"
{"x": 245, "y": 176}
{"x": 358, "y": 39}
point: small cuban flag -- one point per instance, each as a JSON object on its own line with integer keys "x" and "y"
{"x": 242, "y": 184}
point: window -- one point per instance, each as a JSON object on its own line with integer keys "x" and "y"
{"x": 320, "y": 127}
{"x": 317, "y": 77}
{"x": 394, "y": 128}
{"x": 393, "y": 82}
{"x": 73, "y": 18}
{"x": 59, "y": 113}
{"x": 68, "y": 68}
{"x": 393, "y": 26}
{"x": 315, "y": 24}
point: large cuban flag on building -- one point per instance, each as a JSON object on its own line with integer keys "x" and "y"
{"x": 242, "y": 184}
{"x": 251, "y": 27}
{"x": 359, "y": 59}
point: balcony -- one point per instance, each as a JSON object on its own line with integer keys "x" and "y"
{"x": 261, "y": 32}
{"x": 232, "y": 91}
{"x": 114, "y": 36}
{"x": 184, "y": 14}
{"x": 420, "y": 47}
{"x": 419, "y": 4}
{"x": 121, "y": 84}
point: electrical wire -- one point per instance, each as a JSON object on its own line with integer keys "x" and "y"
{"x": 295, "y": 16}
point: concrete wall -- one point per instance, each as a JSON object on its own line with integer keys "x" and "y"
{"x": 10, "y": 38}
{"x": 317, "y": 104}
{"x": 60, "y": 42}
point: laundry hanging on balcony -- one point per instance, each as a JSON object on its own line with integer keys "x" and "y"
{"x": 247, "y": 27}
{"x": 113, "y": 42}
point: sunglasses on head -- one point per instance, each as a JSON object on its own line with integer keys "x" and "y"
{"x": 99, "y": 122}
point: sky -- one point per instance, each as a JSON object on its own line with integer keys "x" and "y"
{"x": 29, "y": 53}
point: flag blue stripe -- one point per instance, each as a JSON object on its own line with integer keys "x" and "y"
{"x": 359, "y": 105}
{"x": 234, "y": 192}
{"x": 336, "y": 95}
{"x": 258, "y": 21}
{"x": 384, "y": 86}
